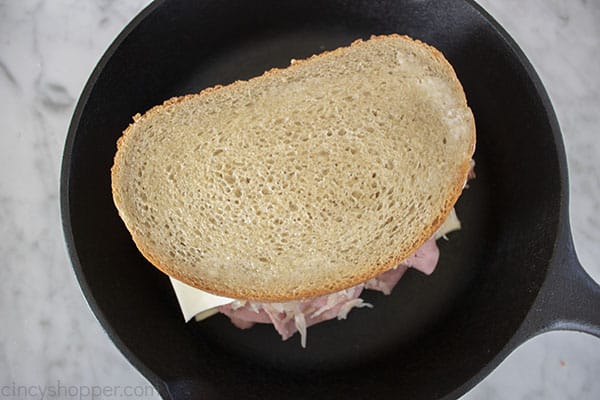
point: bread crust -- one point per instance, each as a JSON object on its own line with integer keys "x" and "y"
{"x": 327, "y": 287}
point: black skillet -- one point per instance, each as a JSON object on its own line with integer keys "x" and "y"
{"x": 511, "y": 273}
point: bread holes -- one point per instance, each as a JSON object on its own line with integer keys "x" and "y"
{"x": 229, "y": 179}
{"x": 356, "y": 195}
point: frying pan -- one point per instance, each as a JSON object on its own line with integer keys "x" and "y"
{"x": 511, "y": 272}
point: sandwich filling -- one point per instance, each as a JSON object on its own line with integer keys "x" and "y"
{"x": 296, "y": 316}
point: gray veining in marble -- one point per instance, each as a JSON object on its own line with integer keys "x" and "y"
{"x": 48, "y": 336}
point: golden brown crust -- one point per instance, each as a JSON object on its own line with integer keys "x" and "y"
{"x": 247, "y": 293}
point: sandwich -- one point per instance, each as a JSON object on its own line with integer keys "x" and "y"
{"x": 287, "y": 195}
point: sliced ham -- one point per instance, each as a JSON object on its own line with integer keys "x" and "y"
{"x": 425, "y": 258}
{"x": 386, "y": 281}
{"x": 295, "y": 316}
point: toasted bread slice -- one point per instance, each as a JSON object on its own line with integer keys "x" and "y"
{"x": 302, "y": 181}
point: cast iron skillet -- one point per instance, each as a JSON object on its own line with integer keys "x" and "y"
{"x": 508, "y": 275}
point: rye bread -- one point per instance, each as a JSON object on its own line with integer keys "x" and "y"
{"x": 302, "y": 181}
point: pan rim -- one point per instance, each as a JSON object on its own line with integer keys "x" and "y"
{"x": 72, "y": 134}
{"x": 65, "y": 208}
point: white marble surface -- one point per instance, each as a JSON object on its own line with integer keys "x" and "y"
{"x": 48, "y": 336}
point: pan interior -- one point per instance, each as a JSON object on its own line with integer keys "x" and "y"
{"x": 423, "y": 341}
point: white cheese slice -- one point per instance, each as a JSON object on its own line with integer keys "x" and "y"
{"x": 452, "y": 223}
{"x": 194, "y": 301}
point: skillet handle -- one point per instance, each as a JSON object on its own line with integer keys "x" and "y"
{"x": 568, "y": 300}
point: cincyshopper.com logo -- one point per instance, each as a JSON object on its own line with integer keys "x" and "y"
{"x": 80, "y": 392}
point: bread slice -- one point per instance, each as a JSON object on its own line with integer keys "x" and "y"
{"x": 303, "y": 181}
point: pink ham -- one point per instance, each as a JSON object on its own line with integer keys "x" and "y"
{"x": 295, "y": 316}
{"x": 245, "y": 316}
{"x": 385, "y": 282}
{"x": 424, "y": 259}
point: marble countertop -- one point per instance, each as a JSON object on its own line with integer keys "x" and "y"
{"x": 50, "y": 338}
